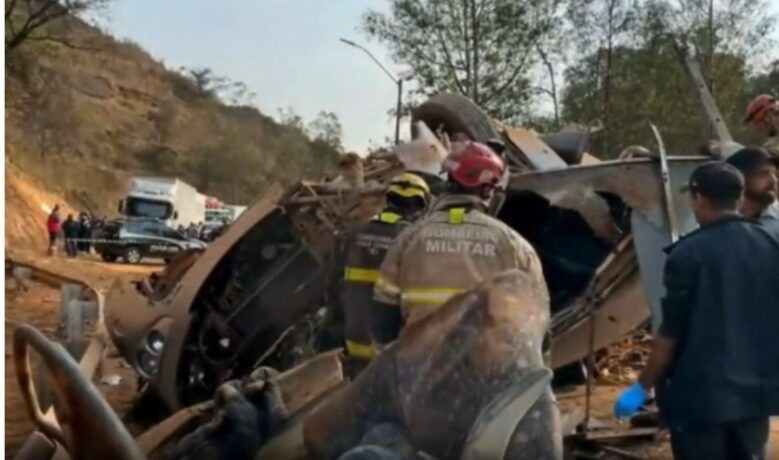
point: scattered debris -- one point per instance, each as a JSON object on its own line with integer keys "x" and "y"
{"x": 622, "y": 362}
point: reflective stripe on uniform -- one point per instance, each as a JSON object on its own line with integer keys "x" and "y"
{"x": 360, "y": 350}
{"x": 457, "y": 216}
{"x": 430, "y": 296}
{"x": 386, "y": 287}
{"x": 361, "y": 275}
{"x": 388, "y": 217}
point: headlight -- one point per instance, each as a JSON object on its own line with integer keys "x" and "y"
{"x": 148, "y": 363}
{"x": 155, "y": 341}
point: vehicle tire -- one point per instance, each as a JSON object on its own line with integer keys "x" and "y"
{"x": 132, "y": 255}
{"x": 110, "y": 258}
{"x": 455, "y": 113}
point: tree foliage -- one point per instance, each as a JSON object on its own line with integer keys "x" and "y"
{"x": 208, "y": 85}
{"x": 326, "y": 128}
{"x": 39, "y": 20}
{"x": 49, "y": 114}
{"x": 631, "y": 74}
{"x": 483, "y": 49}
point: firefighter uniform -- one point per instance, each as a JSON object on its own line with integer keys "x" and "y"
{"x": 454, "y": 248}
{"x": 365, "y": 250}
{"x": 366, "y": 246}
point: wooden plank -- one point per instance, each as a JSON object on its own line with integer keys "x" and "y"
{"x": 538, "y": 154}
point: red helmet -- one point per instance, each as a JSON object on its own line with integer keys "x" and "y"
{"x": 760, "y": 108}
{"x": 472, "y": 164}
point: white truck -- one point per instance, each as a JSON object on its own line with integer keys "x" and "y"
{"x": 169, "y": 200}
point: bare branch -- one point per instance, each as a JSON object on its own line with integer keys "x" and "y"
{"x": 447, "y": 55}
{"x": 9, "y": 9}
{"x": 39, "y": 14}
{"x": 553, "y": 90}
{"x": 61, "y": 41}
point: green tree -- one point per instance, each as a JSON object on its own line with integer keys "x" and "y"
{"x": 484, "y": 49}
{"x": 649, "y": 82}
{"x": 601, "y": 26}
{"x": 327, "y": 129}
{"x": 289, "y": 118}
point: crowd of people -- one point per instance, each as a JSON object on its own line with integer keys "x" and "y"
{"x": 200, "y": 231}
{"x": 73, "y": 234}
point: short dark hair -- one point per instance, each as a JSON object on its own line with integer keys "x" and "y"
{"x": 749, "y": 159}
{"x": 721, "y": 183}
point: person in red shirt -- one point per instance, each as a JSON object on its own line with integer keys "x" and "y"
{"x": 54, "y": 228}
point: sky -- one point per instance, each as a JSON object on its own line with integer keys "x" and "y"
{"x": 286, "y": 51}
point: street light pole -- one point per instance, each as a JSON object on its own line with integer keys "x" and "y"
{"x": 398, "y": 82}
{"x": 397, "y": 111}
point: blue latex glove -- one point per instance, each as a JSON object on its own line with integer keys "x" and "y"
{"x": 629, "y": 401}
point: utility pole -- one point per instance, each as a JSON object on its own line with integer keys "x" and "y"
{"x": 398, "y": 82}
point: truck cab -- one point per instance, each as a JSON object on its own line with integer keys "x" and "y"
{"x": 169, "y": 200}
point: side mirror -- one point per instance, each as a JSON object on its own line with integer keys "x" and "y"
{"x": 175, "y": 214}
{"x": 121, "y": 206}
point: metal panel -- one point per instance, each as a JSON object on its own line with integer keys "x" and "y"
{"x": 540, "y": 155}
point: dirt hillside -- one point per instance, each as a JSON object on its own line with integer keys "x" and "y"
{"x": 26, "y": 207}
{"x": 83, "y": 121}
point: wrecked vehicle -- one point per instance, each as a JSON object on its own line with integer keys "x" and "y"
{"x": 256, "y": 296}
{"x": 259, "y": 295}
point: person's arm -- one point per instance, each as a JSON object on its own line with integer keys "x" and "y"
{"x": 388, "y": 319}
{"x": 659, "y": 363}
{"x": 386, "y": 290}
{"x": 386, "y": 323}
{"x": 680, "y": 278}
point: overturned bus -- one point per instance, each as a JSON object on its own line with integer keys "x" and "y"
{"x": 258, "y": 294}
{"x": 261, "y": 294}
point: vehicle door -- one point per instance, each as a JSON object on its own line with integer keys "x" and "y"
{"x": 136, "y": 233}
{"x": 170, "y": 241}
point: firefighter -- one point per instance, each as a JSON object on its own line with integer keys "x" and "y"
{"x": 763, "y": 113}
{"x": 365, "y": 246}
{"x": 455, "y": 247}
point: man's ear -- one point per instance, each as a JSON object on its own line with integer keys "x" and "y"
{"x": 446, "y": 142}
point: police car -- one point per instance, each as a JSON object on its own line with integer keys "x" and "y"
{"x": 136, "y": 239}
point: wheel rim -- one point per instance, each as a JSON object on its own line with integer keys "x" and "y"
{"x": 133, "y": 255}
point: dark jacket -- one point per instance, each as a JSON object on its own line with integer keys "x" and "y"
{"x": 364, "y": 249}
{"x": 722, "y": 309}
{"x": 71, "y": 228}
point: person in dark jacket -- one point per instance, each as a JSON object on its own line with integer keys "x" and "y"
{"x": 716, "y": 357}
{"x": 71, "y": 229}
{"x": 364, "y": 248}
